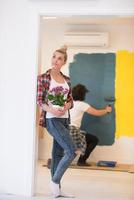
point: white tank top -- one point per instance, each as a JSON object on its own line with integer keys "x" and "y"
{"x": 54, "y": 84}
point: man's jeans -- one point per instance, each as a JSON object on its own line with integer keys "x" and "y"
{"x": 63, "y": 151}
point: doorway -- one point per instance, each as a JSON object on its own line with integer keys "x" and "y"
{"x": 52, "y": 33}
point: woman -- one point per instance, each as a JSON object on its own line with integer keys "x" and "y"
{"x": 56, "y": 120}
{"x": 76, "y": 113}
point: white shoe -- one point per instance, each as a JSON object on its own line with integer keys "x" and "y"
{"x": 55, "y": 189}
{"x": 62, "y": 194}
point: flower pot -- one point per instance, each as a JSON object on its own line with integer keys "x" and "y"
{"x": 58, "y": 107}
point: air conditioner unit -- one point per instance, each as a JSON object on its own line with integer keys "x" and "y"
{"x": 89, "y": 39}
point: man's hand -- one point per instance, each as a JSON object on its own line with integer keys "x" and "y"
{"x": 108, "y": 109}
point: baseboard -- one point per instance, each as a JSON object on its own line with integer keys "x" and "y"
{"x": 119, "y": 167}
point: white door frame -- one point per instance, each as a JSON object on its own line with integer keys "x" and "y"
{"x": 59, "y": 9}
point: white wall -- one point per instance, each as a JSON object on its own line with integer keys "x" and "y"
{"x": 52, "y": 34}
{"x": 121, "y": 38}
{"x": 18, "y": 86}
{"x": 18, "y": 37}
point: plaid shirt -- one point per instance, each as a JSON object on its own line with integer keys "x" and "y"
{"x": 43, "y": 84}
{"x": 78, "y": 137}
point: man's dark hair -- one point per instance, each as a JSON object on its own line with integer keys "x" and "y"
{"x": 79, "y": 92}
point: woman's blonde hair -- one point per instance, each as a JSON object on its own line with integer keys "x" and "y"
{"x": 63, "y": 50}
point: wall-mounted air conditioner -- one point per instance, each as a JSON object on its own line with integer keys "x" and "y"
{"x": 89, "y": 39}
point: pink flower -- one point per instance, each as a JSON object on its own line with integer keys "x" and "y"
{"x": 58, "y": 95}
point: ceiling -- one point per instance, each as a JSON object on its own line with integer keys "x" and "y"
{"x": 93, "y": 20}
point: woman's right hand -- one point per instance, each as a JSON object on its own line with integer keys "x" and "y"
{"x": 57, "y": 111}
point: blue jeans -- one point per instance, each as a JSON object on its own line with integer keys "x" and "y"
{"x": 64, "y": 149}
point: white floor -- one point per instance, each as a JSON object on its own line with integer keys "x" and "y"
{"x": 85, "y": 185}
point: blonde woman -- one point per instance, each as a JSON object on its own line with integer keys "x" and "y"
{"x": 56, "y": 120}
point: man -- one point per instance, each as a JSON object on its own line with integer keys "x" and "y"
{"x": 76, "y": 113}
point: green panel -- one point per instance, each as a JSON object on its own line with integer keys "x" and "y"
{"x": 97, "y": 72}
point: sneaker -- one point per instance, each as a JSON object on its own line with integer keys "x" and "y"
{"x": 55, "y": 189}
{"x": 83, "y": 164}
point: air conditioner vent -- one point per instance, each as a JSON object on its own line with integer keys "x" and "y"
{"x": 91, "y": 39}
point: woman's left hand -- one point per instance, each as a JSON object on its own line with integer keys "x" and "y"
{"x": 67, "y": 106}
